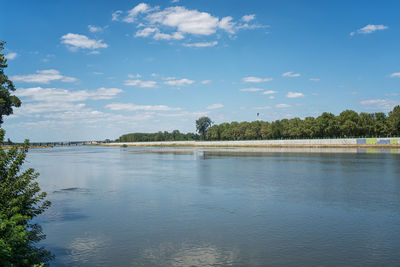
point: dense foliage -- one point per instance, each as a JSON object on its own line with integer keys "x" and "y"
{"x": 347, "y": 124}
{"x": 7, "y": 101}
{"x": 20, "y": 196}
{"x": 160, "y": 136}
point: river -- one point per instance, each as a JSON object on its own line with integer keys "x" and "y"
{"x": 115, "y": 206}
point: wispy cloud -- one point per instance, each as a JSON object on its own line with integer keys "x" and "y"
{"x": 215, "y": 106}
{"x": 178, "y": 82}
{"x": 251, "y": 89}
{"x": 380, "y": 104}
{"x": 269, "y": 92}
{"x": 294, "y": 95}
{"x": 11, "y": 56}
{"x": 370, "y": 28}
{"x": 63, "y": 95}
{"x": 140, "y": 83}
{"x": 115, "y": 16}
{"x": 395, "y": 75}
{"x": 93, "y": 28}
{"x": 291, "y": 74}
{"x": 314, "y": 79}
{"x": 252, "y": 79}
{"x": 134, "y": 107}
{"x": 283, "y": 106}
{"x": 203, "y": 44}
{"x": 79, "y": 41}
{"x": 43, "y": 76}
{"x": 205, "y": 81}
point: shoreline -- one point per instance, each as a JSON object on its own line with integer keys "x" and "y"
{"x": 290, "y": 143}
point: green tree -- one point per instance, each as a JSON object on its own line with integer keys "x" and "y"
{"x": 202, "y": 124}
{"x": 7, "y": 101}
{"x": 20, "y": 196}
{"x": 394, "y": 121}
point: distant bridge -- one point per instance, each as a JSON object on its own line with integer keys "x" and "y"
{"x": 64, "y": 143}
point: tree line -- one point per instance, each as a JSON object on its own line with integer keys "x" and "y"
{"x": 159, "y": 136}
{"x": 347, "y": 124}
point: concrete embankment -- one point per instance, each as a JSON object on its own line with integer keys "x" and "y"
{"x": 345, "y": 142}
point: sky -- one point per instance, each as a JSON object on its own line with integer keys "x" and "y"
{"x": 91, "y": 70}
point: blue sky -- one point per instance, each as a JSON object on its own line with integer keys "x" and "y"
{"x": 90, "y": 70}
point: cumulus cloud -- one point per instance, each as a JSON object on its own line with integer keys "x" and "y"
{"x": 395, "y": 75}
{"x": 256, "y": 79}
{"x": 215, "y": 106}
{"x": 269, "y": 92}
{"x": 11, "y": 56}
{"x": 204, "y": 44}
{"x": 380, "y": 104}
{"x": 370, "y": 28}
{"x": 134, "y": 107}
{"x": 251, "y": 89}
{"x": 178, "y": 82}
{"x": 294, "y": 95}
{"x": 140, "y": 83}
{"x": 291, "y": 74}
{"x": 175, "y": 22}
{"x": 43, "y": 76}
{"x": 76, "y": 41}
{"x": 248, "y": 18}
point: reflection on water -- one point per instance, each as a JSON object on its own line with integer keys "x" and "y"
{"x": 219, "y": 207}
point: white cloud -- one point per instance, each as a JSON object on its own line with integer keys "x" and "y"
{"x": 256, "y": 79}
{"x": 392, "y": 94}
{"x": 97, "y": 73}
{"x": 95, "y": 28}
{"x": 133, "y": 107}
{"x": 180, "y": 82}
{"x": 227, "y": 24}
{"x": 380, "y": 104}
{"x": 140, "y": 83}
{"x": 269, "y": 92}
{"x": 132, "y": 76}
{"x": 76, "y": 41}
{"x": 11, "y": 56}
{"x": 395, "y": 75}
{"x": 271, "y": 97}
{"x": 56, "y": 95}
{"x": 175, "y": 22}
{"x": 315, "y": 79}
{"x": 146, "y": 32}
{"x": 291, "y": 74}
{"x": 215, "y": 106}
{"x": 251, "y": 89}
{"x": 115, "y": 15}
{"x": 248, "y": 18}
{"x": 283, "y": 106}
{"x": 205, "y": 81}
{"x": 261, "y": 108}
{"x": 204, "y": 44}
{"x": 174, "y": 1}
{"x": 166, "y": 36}
{"x": 370, "y": 28}
{"x": 140, "y": 8}
{"x": 43, "y": 76}
{"x": 294, "y": 95}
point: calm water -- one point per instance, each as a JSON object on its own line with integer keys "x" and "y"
{"x": 132, "y": 207}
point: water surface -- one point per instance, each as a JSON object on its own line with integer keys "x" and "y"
{"x": 192, "y": 207}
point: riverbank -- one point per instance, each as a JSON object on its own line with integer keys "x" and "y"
{"x": 299, "y": 143}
